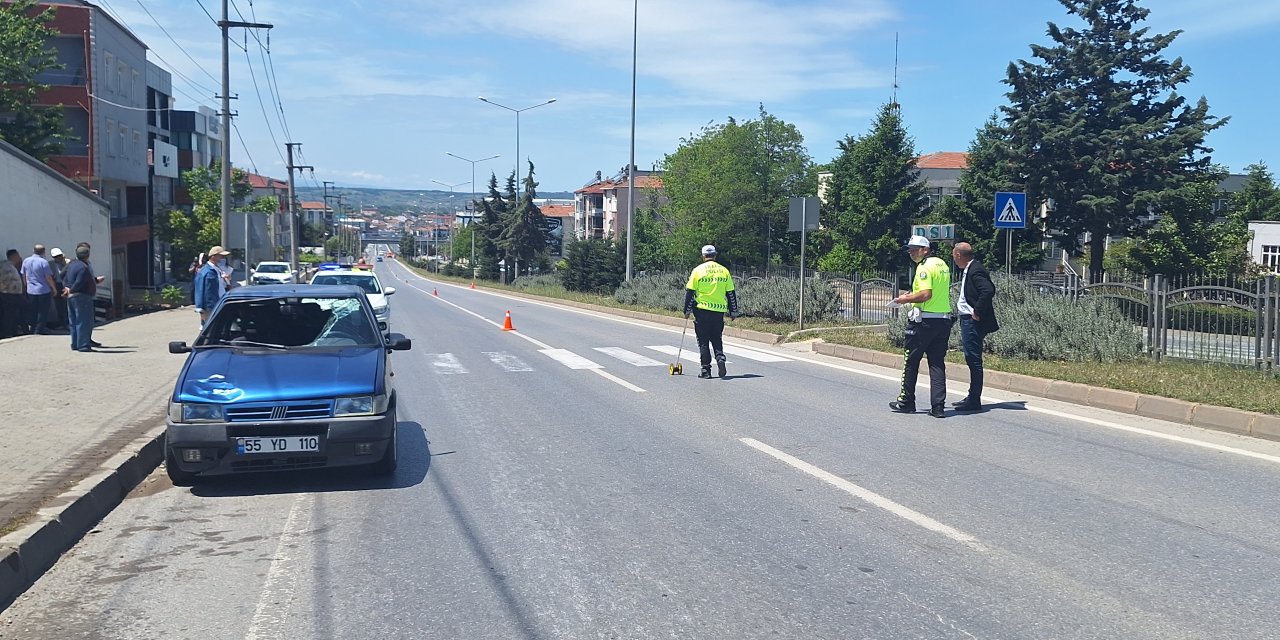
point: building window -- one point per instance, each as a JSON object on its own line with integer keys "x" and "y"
{"x": 109, "y": 71}
{"x": 120, "y": 69}
{"x": 136, "y": 94}
{"x": 120, "y": 145}
{"x": 1271, "y": 256}
{"x": 111, "y": 138}
{"x": 137, "y": 144}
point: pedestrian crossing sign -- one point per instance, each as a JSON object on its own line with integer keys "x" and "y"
{"x": 1011, "y": 210}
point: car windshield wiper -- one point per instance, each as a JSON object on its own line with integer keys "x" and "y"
{"x": 250, "y": 343}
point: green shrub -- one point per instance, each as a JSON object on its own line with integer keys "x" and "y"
{"x": 778, "y": 299}
{"x": 593, "y": 266}
{"x": 659, "y": 291}
{"x": 543, "y": 281}
{"x": 173, "y": 295}
{"x": 1036, "y": 326}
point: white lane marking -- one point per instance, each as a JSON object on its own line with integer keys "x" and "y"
{"x": 691, "y": 356}
{"x": 752, "y": 354}
{"x": 609, "y": 376}
{"x": 629, "y": 357}
{"x": 899, "y": 378}
{"x": 867, "y": 495}
{"x": 570, "y": 359}
{"x": 446, "y": 363}
{"x": 507, "y": 361}
{"x": 282, "y": 580}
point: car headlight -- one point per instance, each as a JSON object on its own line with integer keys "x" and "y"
{"x": 196, "y": 412}
{"x": 383, "y": 311}
{"x": 360, "y": 406}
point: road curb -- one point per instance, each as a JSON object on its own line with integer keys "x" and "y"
{"x": 27, "y": 553}
{"x": 1238, "y": 421}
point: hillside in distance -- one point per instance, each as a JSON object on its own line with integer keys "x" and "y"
{"x": 398, "y": 201}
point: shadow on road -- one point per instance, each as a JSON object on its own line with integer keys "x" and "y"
{"x": 415, "y": 460}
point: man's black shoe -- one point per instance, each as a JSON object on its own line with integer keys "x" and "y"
{"x": 720, "y": 370}
{"x": 937, "y": 412}
{"x": 705, "y": 373}
{"x": 95, "y": 343}
{"x": 898, "y": 406}
{"x": 968, "y": 404}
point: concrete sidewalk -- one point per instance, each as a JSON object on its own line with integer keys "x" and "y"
{"x": 79, "y": 431}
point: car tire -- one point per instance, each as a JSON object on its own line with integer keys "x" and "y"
{"x": 390, "y": 458}
{"x": 177, "y": 476}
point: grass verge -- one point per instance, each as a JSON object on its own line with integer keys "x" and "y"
{"x": 1191, "y": 381}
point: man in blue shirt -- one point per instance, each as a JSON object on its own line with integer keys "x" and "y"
{"x": 209, "y": 284}
{"x": 80, "y": 285}
{"x": 40, "y": 286}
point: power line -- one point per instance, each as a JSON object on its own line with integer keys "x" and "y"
{"x": 257, "y": 91}
{"x": 106, "y": 6}
{"x": 175, "y": 42}
{"x": 245, "y": 146}
{"x": 206, "y": 12}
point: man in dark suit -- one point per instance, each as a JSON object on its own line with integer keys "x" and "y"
{"x": 977, "y": 319}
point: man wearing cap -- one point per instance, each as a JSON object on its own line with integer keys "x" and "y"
{"x": 209, "y": 284}
{"x": 928, "y": 328}
{"x": 58, "y": 263}
{"x": 709, "y": 295}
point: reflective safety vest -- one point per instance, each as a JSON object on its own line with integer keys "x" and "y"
{"x": 933, "y": 274}
{"x": 710, "y": 283}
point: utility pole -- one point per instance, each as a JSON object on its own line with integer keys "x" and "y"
{"x": 293, "y": 214}
{"x": 328, "y": 221}
{"x": 225, "y": 25}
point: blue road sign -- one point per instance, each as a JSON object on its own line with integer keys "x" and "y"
{"x": 1011, "y": 210}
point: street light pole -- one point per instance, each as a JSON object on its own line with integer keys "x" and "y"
{"x": 435, "y": 220}
{"x": 472, "y": 219}
{"x": 517, "y": 112}
{"x": 631, "y": 168}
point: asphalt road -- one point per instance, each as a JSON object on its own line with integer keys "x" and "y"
{"x": 556, "y": 482}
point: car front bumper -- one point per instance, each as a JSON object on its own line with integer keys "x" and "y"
{"x": 343, "y": 442}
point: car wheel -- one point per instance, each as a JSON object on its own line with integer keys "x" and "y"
{"x": 387, "y": 464}
{"x": 179, "y": 477}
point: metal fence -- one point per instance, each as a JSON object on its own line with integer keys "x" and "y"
{"x": 1224, "y": 319}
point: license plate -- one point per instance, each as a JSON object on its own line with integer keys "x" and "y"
{"x": 278, "y": 444}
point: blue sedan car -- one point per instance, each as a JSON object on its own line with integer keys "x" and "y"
{"x": 284, "y": 377}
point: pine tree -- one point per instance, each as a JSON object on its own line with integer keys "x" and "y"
{"x": 1189, "y": 239}
{"x": 488, "y": 228}
{"x": 1098, "y": 126}
{"x": 873, "y": 197}
{"x": 524, "y": 233}
{"x": 24, "y": 55}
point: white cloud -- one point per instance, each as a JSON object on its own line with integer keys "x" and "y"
{"x": 719, "y": 50}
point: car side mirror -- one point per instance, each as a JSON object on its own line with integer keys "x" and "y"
{"x": 179, "y": 347}
{"x": 382, "y": 326}
{"x": 388, "y": 291}
{"x": 397, "y": 342}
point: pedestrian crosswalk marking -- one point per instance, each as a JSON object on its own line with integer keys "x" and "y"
{"x": 629, "y": 357}
{"x": 758, "y": 356}
{"x": 507, "y": 361}
{"x": 691, "y": 356}
{"x": 570, "y": 359}
{"x": 446, "y": 363}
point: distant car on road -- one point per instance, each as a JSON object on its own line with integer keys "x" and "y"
{"x": 273, "y": 273}
{"x": 367, "y": 281}
{"x": 284, "y": 377}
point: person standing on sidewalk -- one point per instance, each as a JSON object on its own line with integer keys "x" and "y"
{"x": 928, "y": 328}
{"x": 10, "y": 298}
{"x": 209, "y": 284}
{"x": 709, "y": 295}
{"x": 59, "y": 264}
{"x": 977, "y": 316}
{"x": 40, "y": 288}
{"x": 80, "y": 285}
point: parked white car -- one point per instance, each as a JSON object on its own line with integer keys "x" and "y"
{"x": 273, "y": 273}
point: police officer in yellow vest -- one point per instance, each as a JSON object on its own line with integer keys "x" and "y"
{"x": 709, "y": 296}
{"x": 928, "y": 328}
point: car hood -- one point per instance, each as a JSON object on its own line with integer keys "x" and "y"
{"x": 231, "y": 375}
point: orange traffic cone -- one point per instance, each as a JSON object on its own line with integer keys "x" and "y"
{"x": 433, "y": 292}
{"x": 473, "y": 285}
{"x": 506, "y": 324}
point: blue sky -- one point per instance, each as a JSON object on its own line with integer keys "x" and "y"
{"x": 378, "y": 92}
